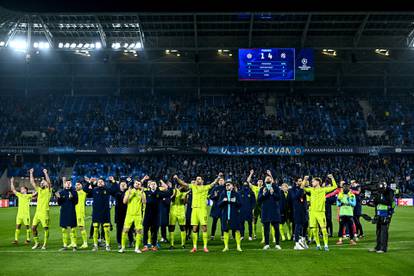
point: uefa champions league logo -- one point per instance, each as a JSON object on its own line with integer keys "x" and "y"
{"x": 304, "y": 66}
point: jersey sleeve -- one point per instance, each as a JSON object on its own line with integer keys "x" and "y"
{"x": 307, "y": 189}
{"x": 207, "y": 187}
{"x": 332, "y": 188}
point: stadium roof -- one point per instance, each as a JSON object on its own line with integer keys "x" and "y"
{"x": 199, "y": 31}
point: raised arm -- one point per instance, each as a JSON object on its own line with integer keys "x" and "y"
{"x": 249, "y": 178}
{"x": 32, "y": 181}
{"x": 269, "y": 173}
{"x": 146, "y": 177}
{"x": 212, "y": 184}
{"x": 333, "y": 187}
{"x": 304, "y": 183}
{"x": 127, "y": 196}
{"x": 49, "y": 184}
{"x": 180, "y": 181}
{"x": 12, "y": 185}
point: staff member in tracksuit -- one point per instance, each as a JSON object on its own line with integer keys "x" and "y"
{"x": 229, "y": 203}
{"x": 118, "y": 192}
{"x": 152, "y": 214}
{"x": 188, "y": 227}
{"x": 164, "y": 210}
{"x": 299, "y": 214}
{"x": 93, "y": 182}
{"x": 328, "y": 214}
{"x": 248, "y": 200}
{"x": 285, "y": 205}
{"x": 269, "y": 197}
{"x": 215, "y": 212}
{"x": 356, "y": 190}
{"x": 67, "y": 200}
{"x": 100, "y": 212}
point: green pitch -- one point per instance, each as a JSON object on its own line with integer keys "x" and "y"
{"x": 340, "y": 260}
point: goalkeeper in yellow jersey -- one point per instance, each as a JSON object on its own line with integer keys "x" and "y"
{"x": 80, "y": 214}
{"x": 199, "y": 207}
{"x": 317, "y": 210}
{"x": 177, "y": 215}
{"x": 135, "y": 200}
{"x": 23, "y": 211}
{"x": 44, "y": 193}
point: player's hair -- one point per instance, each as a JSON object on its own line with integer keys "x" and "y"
{"x": 318, "y": 179}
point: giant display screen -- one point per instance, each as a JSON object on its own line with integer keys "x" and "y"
{"x": 275, "y": 64}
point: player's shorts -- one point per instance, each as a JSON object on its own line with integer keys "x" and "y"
{"x": 80, "y": 221}
{"x": 177, "y": 215}
{"x": 257, "y": 211}
{"x": 136, "y": 220}
{"x": 199, "y": 216}
{"x": 316, "y": 218}
{"x": 41, "y": 218}
{"x": 23, "y": 220}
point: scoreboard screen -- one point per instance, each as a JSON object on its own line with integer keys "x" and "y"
{"x": 275, "y": 64}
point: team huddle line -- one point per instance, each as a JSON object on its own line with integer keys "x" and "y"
{"x": 143, "y": 206}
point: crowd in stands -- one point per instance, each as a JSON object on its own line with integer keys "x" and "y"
{"x": 238, "y": 119}
{"x": 396, "y": 116}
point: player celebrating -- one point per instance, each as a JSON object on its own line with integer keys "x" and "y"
{"x": 269, "y": 196}
{"x": 80, "y": 214}
{"x": 299, "y": 214}
{"x": 23, "y": 212}
{"x": 177, "y": 214}
{"x": 285, "y": 211}
{"x": 151, "y": 221}
{"x": 257, "y": 209}
{"x": 100, "y": 212}
{"x": 199, "y": 207}
{"x": 215, "y": 211}
{"x": 67, "y": 200}
{"x": 229, "y": 203}
{"x": 44, "y": 192}
{"x": 317, "y": 210}
{"x": 134, "y": 198}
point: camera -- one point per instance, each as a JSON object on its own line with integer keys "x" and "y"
{"x": 371, "y": 190}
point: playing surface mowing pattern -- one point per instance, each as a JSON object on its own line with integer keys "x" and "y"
{"x": 340, "y": 260}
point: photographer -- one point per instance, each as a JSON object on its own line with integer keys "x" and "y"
{"x": 384, "y": 208}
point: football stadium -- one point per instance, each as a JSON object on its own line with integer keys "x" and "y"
{"x": 172, "y": 139}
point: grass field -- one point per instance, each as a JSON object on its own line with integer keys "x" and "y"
{"x": 340, "y": 260}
